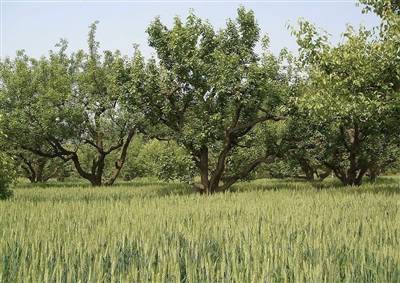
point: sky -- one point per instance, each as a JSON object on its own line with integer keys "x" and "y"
{"x": 36, "y": 26}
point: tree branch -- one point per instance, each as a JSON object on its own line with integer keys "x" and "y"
{"x": 230, "y": 180}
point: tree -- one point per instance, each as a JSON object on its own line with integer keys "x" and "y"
{"x": 39, "y": 169}
{"x": 63, "y": 106}
{"x": 352, "y": 98}
{"x": 303, "y": 145}
{"x": 209, "y": 91}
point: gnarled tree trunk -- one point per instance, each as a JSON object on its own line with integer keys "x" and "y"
{"x": 352, "y": 176}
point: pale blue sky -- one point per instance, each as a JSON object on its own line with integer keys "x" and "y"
{"x": 37, "y": 26}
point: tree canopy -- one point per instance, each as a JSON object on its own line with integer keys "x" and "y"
{"x": 220, "y": 103}
{"x": 209, "y": 90}
{"x": 59, "y": 106}
{"x": 351, "y": 96}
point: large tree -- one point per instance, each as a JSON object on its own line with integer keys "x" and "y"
{"x": 209, "y": 90}
{"x": 352, "y": 99}
{"x": 65, "y": 106}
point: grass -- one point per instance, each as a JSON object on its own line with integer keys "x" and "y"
{"x": 149, "y": 231}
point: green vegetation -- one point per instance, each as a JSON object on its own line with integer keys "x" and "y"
{"x": 164, "y": 160}
{"x": 7, "y": 173}
{"x": 210, "y": 104}
{"x": 5, "y": 180}
{"x": 149, "y": 231}
{"x": 208, "y": 113}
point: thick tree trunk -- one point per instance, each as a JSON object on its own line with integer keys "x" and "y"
{"x": 218, "y": 181}
{"x": 357, "y": 168}
{"x": 95, "y": 176}
{"x": 307, "y": 169}
{"x": 207, "y": 185}
{"x": 95, "y": 181}
{"x": 350, "y": 178}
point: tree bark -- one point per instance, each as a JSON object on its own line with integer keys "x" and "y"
{"x": 121, "y": 160}
{"x": 218, "y": 181}
{"x": 307, "y": 169}
{"x": 352, "y": 176}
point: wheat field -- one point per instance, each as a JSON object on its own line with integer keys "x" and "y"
{"x": 266, "y": 231}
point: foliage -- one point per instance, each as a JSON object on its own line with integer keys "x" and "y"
{"x": 57, "y": 105}
{"x": 208, "y": 91}
{"x": 383, "y": 8}
{"x": 6, "y": 176}
{"x": 351, "y": 100}
{"x": 7, "y": 173}
{"x": 162, "y": 159}
{"x": 210, "y": 105}
{"x": 7, "y": 170}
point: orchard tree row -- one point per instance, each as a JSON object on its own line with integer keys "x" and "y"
{"x": 223, "y": 102}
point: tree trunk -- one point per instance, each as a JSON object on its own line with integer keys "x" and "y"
{"x": 356, "y": 171}
{"x": 372, "y": 176}
{"x": 94, "y": 177}
{"x": 40, "y": 170}
{"x": 307, "y": 169}
{"x": 351, "y": 178}
{"x": 121, "y": 160}
{"x": 95, "y": 181}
